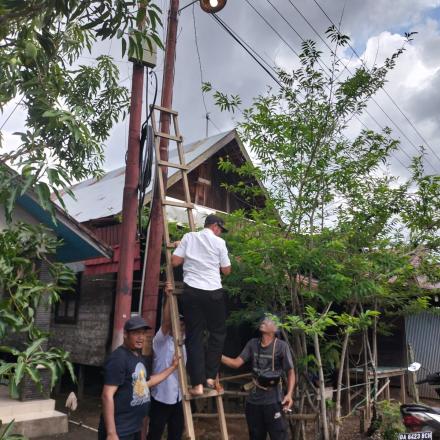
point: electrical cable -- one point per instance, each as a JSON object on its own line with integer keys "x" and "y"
{"x": 248, "y": 49}
{"x": 268, "y": 23}
{"x": 198, "y": 57}
{"x": 321, "y": 63}
{"x": 12, "y": 112}
{"x": 383, "y": 88}
{"x": 373, "y": 99}
{"x": 208, "y": 119}
{"x": 145, "y": 178}
{"x": 238, "y": 37}
{"x": 146, "y": 155}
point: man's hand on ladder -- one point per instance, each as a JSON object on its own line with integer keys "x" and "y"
{"x": 169, "y": 289}
{"x": 176, "y": 360}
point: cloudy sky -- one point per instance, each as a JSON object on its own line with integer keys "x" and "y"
{"x": 375, "y": 27}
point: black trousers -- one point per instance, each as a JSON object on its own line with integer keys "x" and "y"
{"x": 203, "y": 310}
{"x": 266, "y": 419}
{"x": 162, "y": 415}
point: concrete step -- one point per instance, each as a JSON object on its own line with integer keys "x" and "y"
{"x": 22, "y": 417}
{"x": 10, "y": 407}
{"x": 38, "y": 424}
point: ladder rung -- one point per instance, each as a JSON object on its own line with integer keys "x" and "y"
{"x": 168, "y": 136}
{"x": 165, "y": 110}
{"x": 164, "y": 163}
{"x": 178, "y": 204}
{"x": 205, "y": 395}
{"x": 177, "y": 291}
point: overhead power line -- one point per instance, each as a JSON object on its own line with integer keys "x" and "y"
{"x": 196, "y": 40}
{"x": 383, "y": 88}
{"x": 254, "y": 55}
{"x": 248, "y": 49}
{"x": 323, "y": 67}
{"x": 12, "y": 112}
{"x": 373, "y": 99}
{"x": 274, "y": 29}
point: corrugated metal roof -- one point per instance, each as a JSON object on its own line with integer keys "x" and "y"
{"x": 97, "y": 198}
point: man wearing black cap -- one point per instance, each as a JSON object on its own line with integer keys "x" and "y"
{"x": 204, "y": 255}
{"x": 126, "y": 392}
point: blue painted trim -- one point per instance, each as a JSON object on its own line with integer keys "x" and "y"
{"x": 74, "y": 247}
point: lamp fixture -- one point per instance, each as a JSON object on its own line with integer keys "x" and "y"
{"x": 212, "y": 6}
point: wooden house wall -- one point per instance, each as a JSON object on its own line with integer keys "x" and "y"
{"x": 213, "y": 196}
{"x": 88, "y": 340}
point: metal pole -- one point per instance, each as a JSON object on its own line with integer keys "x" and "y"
{"x": 129, "y": 210}
{"x": 149, "y": 306}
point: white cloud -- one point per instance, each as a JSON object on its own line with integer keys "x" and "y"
{"x": 374, "y": 26}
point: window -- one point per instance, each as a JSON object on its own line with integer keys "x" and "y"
{"x": 66, "y": 310}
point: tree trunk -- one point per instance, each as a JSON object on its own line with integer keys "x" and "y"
{"x": 325, "y": 432}
{"x": 374, "y": 354}
{"x": 339, "y": 384}
{"x": 373, "y": 366}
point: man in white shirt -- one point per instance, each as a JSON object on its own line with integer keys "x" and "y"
{"x": 166, "y": 398}
{"x": 204, "y": 255}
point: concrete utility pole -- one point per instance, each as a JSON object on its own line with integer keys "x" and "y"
{"x": 152, "y": 273}
{"x": 129, "y": 210}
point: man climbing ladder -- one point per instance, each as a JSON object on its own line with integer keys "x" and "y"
{"x": 203, "y": 255}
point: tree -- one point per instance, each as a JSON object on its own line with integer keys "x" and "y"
{"x": 343, "y": 245}
{"x": 70, "y": 109}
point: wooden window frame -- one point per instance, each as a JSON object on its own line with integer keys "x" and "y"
{"x": 71, "y": 297}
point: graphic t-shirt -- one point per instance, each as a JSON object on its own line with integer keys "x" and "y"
{"x": 132, "y": 399}
{"x": 261, "y": 360}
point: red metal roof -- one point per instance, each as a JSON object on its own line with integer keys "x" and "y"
{"x": 98, "y": 266}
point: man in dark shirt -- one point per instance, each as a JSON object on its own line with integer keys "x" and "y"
{"x": 265, "y": 405}
{"x": 126, "y": 392}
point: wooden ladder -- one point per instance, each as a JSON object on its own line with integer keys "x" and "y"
{"x": 162, "y": 166}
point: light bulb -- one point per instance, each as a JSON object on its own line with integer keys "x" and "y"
{"x": 212, "y": 6}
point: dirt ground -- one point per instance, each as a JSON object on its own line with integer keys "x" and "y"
{"x": 89, "y": 410}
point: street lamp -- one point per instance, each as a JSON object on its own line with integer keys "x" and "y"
{"x": 212, "y": 6}
{"x": 209, "y": 6}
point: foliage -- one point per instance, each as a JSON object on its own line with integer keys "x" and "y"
{"x": 24, "y": 251}
{"x": 70, "y": 108}
{"x": 345, "y": 222}
{"x": 5, "y": 432}
{"x": 388, "y": 424}
{"x": 353, "y": 242}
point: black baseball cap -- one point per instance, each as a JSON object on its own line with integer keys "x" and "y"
{"x": 135, "y": 323}
{"x": 213, "y": 219}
